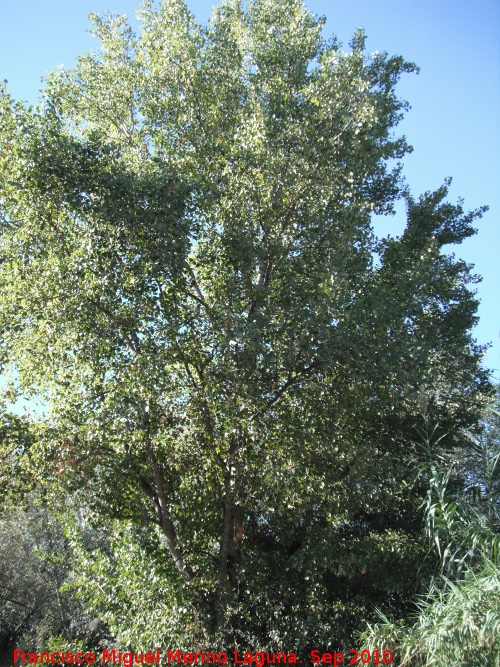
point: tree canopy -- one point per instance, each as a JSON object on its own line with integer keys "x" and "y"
{"x": 234, "y": 363}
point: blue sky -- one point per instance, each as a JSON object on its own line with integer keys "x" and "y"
{"x": 454, "y": 123}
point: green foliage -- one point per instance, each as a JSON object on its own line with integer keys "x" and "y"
{"x": 124, "y": 572}
{"x": 456, "y": 528}
{"x": 457, "y": 626}
{"x": 189, "y": 280}
{"x": 458, "y": 622}
{"x": 461, "y": 508}
{"x": 35, "y": 562}
{"x": 481, "y": 466}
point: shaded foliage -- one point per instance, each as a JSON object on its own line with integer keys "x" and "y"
{"x": 458, "y": 621}
{"x": 35, "y": 563}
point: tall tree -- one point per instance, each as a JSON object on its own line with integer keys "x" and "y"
{"x": 233, "y": 361}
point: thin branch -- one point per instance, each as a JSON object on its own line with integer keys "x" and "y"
{"x": 163, "y": 511}
{"x": 14, "y": 600}
{"x": 199, "y": 296}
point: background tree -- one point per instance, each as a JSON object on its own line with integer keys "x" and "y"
{"x": 35, "y": 563}
{"x": 234, "y": 363}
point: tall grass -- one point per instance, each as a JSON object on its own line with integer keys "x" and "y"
{"x": 456, "y": 626}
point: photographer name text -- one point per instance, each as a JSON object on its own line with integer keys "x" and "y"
{"x": 258, "y": 659}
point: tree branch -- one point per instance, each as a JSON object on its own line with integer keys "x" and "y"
{"x": 164, "y": 516}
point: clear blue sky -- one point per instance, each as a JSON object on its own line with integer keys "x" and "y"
{"x": 454, "y": 124}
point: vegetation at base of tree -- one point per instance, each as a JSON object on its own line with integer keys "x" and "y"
{"x": 244, "y": 386}
{"x": 458, "y": 621}
{"x": 35, "y": 563}
{"x": 456, "y": 626}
